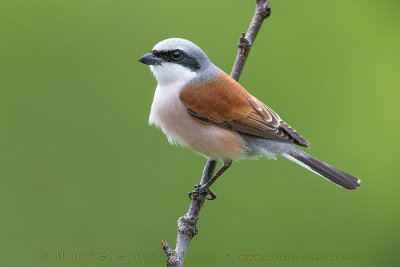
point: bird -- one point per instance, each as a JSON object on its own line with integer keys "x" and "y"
{"x": 199, "y": 106}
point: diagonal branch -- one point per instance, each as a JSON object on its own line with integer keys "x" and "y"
{"x": 187, "y": 224}
{"x": 263, "y": 11}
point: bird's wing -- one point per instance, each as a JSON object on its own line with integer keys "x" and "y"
{"x": 224, "y": 102}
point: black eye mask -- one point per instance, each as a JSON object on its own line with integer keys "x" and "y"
{"x": 184, "y": 60}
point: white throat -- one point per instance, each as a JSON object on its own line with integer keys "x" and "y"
{"x": 168, "y": 73}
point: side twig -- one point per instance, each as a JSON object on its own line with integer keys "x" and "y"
{"x": 187, "y": 224}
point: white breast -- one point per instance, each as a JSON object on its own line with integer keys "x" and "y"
{"x": 168, "y": 113}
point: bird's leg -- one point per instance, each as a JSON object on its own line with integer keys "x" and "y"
{"x": 205, "y": 188}
{"x": 226, "y": 165}
{"x": 208, "y": 173}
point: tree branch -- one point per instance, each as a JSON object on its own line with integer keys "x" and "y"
{"x": 263, "y": 11}
{"x": 187, "y": 224}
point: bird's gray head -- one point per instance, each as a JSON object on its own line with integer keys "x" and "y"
{"x": 177, "y": 59}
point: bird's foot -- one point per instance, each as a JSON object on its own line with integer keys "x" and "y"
{"x": 202, "y": 189}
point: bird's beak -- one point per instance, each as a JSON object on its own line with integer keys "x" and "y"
{"x": 150, "y": 59}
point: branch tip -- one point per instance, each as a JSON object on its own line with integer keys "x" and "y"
{"x": 263, "y": 11}
{"x": 166, "y": 248}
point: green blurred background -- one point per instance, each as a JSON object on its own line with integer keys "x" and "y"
{"x": 81, "y": 170}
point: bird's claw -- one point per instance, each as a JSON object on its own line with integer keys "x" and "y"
{"x": 202, "y": 189}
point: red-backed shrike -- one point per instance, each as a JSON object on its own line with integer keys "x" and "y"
{"x": 199, "y": 106}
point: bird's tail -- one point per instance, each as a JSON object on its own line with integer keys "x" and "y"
{"x": 328, "y": 172}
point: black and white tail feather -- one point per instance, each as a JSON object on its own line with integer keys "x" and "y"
{"x": 326, "y": 171}
{"x": 271, "y": 149}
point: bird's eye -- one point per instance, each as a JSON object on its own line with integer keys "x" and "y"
{"x": 176, "y": 55}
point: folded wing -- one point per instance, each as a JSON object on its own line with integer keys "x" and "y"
{"x": 224, "y": 102}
